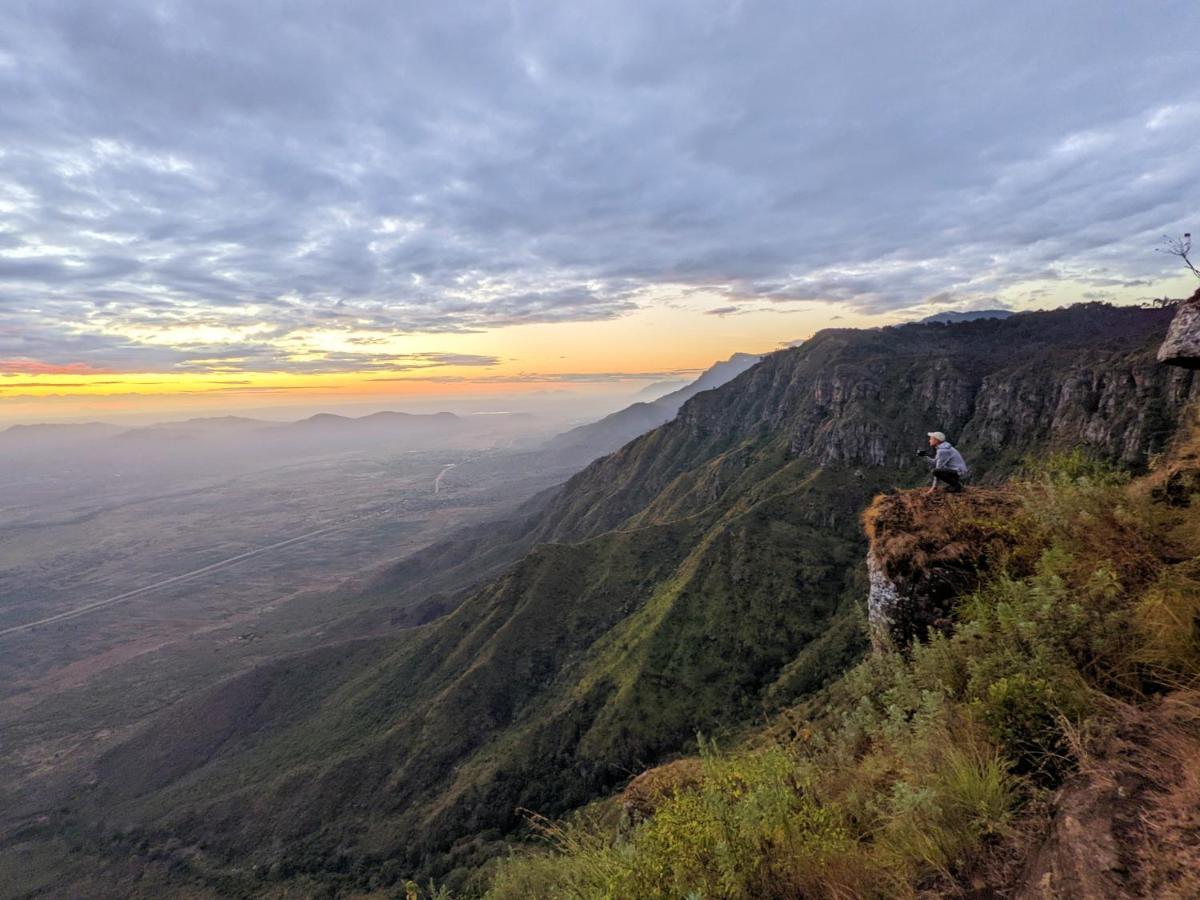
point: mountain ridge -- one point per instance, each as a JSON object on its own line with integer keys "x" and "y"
{"x": 616, "y": 429}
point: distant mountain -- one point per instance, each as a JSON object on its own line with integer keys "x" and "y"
{"x": 27, "y": 438}
{"x": 216, "y": 423}
{"x": 201, "y": 430}
{"x": 708, "y": 571}
{"x": 659, "y": 389}
{"x": 59, "y": 429}
{"x": 613, "y": 431}
{"x": 329, "y": 423}
{"x": 215, "y": 443}
{"x": 950, "y": 318}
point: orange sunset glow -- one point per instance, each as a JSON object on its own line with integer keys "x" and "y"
{"x": 612, "y": 357}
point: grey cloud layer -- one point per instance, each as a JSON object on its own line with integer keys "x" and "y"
{"x": 416, "y": 168}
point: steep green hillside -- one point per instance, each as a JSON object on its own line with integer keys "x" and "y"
{"x": 549, "y": 686}
{"x": 707, "y": 572}
{"x": 1043, "y": 743}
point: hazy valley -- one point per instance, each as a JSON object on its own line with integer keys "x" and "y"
{"x": 138, "y": 565}
{"x": 159, "y": 568}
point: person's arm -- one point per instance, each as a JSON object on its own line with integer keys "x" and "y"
{"x": 927, "y": 455}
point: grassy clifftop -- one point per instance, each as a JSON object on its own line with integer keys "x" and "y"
{"x": 1074, "y": 659}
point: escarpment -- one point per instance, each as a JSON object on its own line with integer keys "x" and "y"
{"x": 1083, "y": 377}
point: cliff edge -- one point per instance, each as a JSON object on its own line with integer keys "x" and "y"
{"x": 925, "y": 551}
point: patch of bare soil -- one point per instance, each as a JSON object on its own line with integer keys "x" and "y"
{"x": 1128, "y": 825}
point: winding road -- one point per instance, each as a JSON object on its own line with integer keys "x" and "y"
{"x": 437, "y": 482}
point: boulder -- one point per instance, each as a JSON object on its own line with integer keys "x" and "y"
{"x": 1182, "y": 344}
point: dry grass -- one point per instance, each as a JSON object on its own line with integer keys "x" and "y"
{"x": 919, "y": 536}
{"x": 1168, "y": 854}
{"x": 1128, "y": 824}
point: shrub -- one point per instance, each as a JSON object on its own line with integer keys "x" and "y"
{"x": 968, "y": 796}
{"x": 1074, "y": 467}
{"x": 1025, "y": 715}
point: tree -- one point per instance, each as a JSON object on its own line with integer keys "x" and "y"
{"x": 1180, "y": 247}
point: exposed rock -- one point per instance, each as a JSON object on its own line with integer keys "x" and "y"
{"x": 1080, "y": 858}
{"x": 1182, "y": 345}
{"x": 1105, "y": 404}
{"x": 925, "y": 551}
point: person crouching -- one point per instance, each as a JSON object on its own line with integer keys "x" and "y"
{"x": 949, "y": 468}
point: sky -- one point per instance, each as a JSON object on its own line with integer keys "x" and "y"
{"x": 213, "y": 206}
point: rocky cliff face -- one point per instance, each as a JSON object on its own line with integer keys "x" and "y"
{"x": 1182, "y": 344}
{"x": 1079, "y": 377}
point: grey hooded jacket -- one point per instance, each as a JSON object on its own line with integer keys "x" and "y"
{"x": 948, "y": 458}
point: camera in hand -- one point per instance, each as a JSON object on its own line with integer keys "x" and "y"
{"x": 924, "y": 453}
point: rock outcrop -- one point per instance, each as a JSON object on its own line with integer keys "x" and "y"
{"x": 926, "y": 551}
{"x": 1182, "y": 345}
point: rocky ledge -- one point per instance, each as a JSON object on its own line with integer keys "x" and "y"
{"x": 927, "y": 550}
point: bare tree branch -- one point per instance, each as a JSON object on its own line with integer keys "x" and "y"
{"x": 1180, "y": 247}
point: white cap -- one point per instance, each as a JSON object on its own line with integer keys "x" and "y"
{"x": 938, "y": 435}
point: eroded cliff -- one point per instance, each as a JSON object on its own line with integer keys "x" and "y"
{"x": 925, "y": 551}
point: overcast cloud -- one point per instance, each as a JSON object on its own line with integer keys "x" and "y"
{"x": 382, "y": 167}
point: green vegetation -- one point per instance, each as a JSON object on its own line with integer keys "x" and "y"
{"x": 913, "y": 769}
{"x": 543, "y": 691}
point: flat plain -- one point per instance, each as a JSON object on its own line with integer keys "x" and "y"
{"x": 159, "y": 579}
